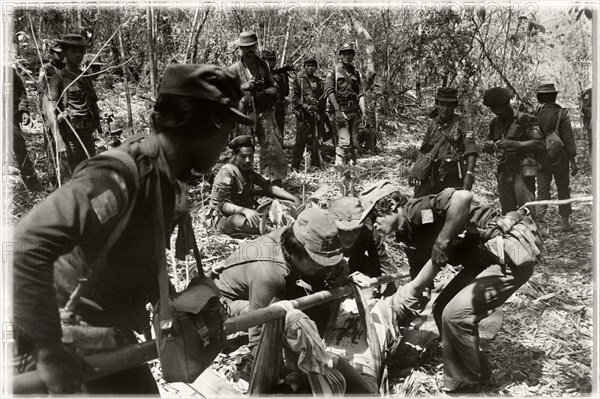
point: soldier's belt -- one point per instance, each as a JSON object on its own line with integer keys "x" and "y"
{"x": 347, "y": 103}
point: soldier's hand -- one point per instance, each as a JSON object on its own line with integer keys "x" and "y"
{"x": 253, "y": 217}
{"x": 297, "y": 201}
{"x": 468, "y": 181}
{"x": 107, "y": 116}
{"x": 488, "y": 147}
{"x": 249, "y": 86}
{"x": 413, "y": 181}
{"x": 63, "y": 372}
{"x": 438, "y": 253}
{"x": 62, "y": 116}
{"x": 271, "y": 91}
{"x": 507, "y": 145}
{"x": 340, "y": 119}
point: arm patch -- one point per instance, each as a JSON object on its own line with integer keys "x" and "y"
{"x": 105, "y": 206}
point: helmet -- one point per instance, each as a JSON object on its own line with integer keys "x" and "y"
{"x": 346, "y": 46}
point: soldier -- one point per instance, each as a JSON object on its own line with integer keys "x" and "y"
{"x": 309, "y": 106}
{"x": 77, "y": 100}
{"x": 362, "y": 245}
{"x": 515, "y": 138}
{"x": 450, "y": 143}
{"x": 21, "y": 115}
{"x": 282, "y": 82}
{"x": 433, "y": 225}
{"x": 194, "y": 113}
{"x": 586, "y": 114}
{"x": 53, "y": 66}
{"x": 259, "y": 99}
{"x": 285, "y": 264}
{"x": 344, "y": 90}
{"x": 558, "y": 168}
{"x": 233, "y": 195}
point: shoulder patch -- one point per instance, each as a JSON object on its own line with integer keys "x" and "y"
{"x": 105, "y": 206}
{"x": 426, "y": 216}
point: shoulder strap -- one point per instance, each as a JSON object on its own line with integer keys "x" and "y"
{"x": 165, "y": 311}
{"x": 558, "y": 118}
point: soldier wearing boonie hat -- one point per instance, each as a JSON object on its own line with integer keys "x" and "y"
{"x": 193, "y": 116}
{"x": 450, "y": 143}
{"x": 79, "y": 114}
{"x": 551, "y": 116}
{"x": 233, "y": 197}
{"x": 514, "y": 138}
{"x": 260, "y": 95}
{"x": 285, "y": 264}
{"x": 362, "y": 245}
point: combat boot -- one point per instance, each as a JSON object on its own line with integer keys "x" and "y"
{"x": 566, "y": 224}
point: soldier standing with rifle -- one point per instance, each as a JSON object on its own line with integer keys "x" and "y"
{"x": 343, "y": 88}
{"x": 260, "y": 95}
{"x": 195, "y": 112}
{"x": 309, "y": 108}
{"x": 282, "y": 82}
{"x": 76, "y": 99}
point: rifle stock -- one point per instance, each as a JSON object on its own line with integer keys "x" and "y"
{"x": 133, "y": 355}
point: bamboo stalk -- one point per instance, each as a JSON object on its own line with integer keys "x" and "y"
{"x": 560, "y": 202}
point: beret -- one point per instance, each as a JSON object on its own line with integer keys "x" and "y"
{"x": 241, "y": 141}
{"x": 497, "y": 96}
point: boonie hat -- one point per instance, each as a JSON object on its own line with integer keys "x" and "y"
{"x": 241, "y": 141}
{"x": 247, "y": 38}
{"x": 207, "y": 82}
{"x": 316, "y": 229}
{"x": 447, "y": 94}
{"x": 347, "y": 213}
{"x": 72, "y": 39}
{"x": 547, "y": 88}
{"x": 374, "y": 193}
{"x": 497, "y": 96}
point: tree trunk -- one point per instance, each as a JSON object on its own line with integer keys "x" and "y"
{"x": 192, "y": 34}
{"x": 287, "y": 39}
{"x": 197, "y": 35}
{"x": 125, "y": 73}
{"x": 369, "y": 49}
{"x": 150, "y": 30}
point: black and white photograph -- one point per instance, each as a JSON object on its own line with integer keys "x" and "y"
{"x": 219, "y": 199}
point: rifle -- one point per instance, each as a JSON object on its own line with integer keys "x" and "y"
{"x": 135, "y": 354}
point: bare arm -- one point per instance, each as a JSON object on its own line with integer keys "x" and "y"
{"x": 456, "y": 217}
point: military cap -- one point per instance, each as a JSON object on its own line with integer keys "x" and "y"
{"x": 497, "y": 96}
{"x": 447, "y": 94}
{"x": 346, "y": 212}
{"x": 346, "y": 46}
{"x": 268, "y": 54}
{"x": 310, "y": 59}
{"x": 374, "y": 193}
{"x": 241, "y": 141}
{"x": 247, "y": 38}
{"x": 72, "y": 39}
{"x": 547, "y": 88}
{"x": 317, "y": 231}
{"x": 206, "y": 82}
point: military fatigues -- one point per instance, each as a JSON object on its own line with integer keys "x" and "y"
{"x": 80, "y": 217}
{"x": 260, "y": 107}
{"x": 449, "y": 166}
{"x": 81, "y": 102}
{"x": 307, "y": 91}
{"x": 472, "y": 295}
{"x": 21, "y": 157}
{"x": 283, "y": 90}
{"x": 369, "y": 256}
{"x": 586, "y": 112}
{"x": 231, "y": 185}
{"x": 257, "y": 273}
{"x": 344, "y": 81}
{"x": 556, "y": 168}
{"x": 514, "y": 188}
